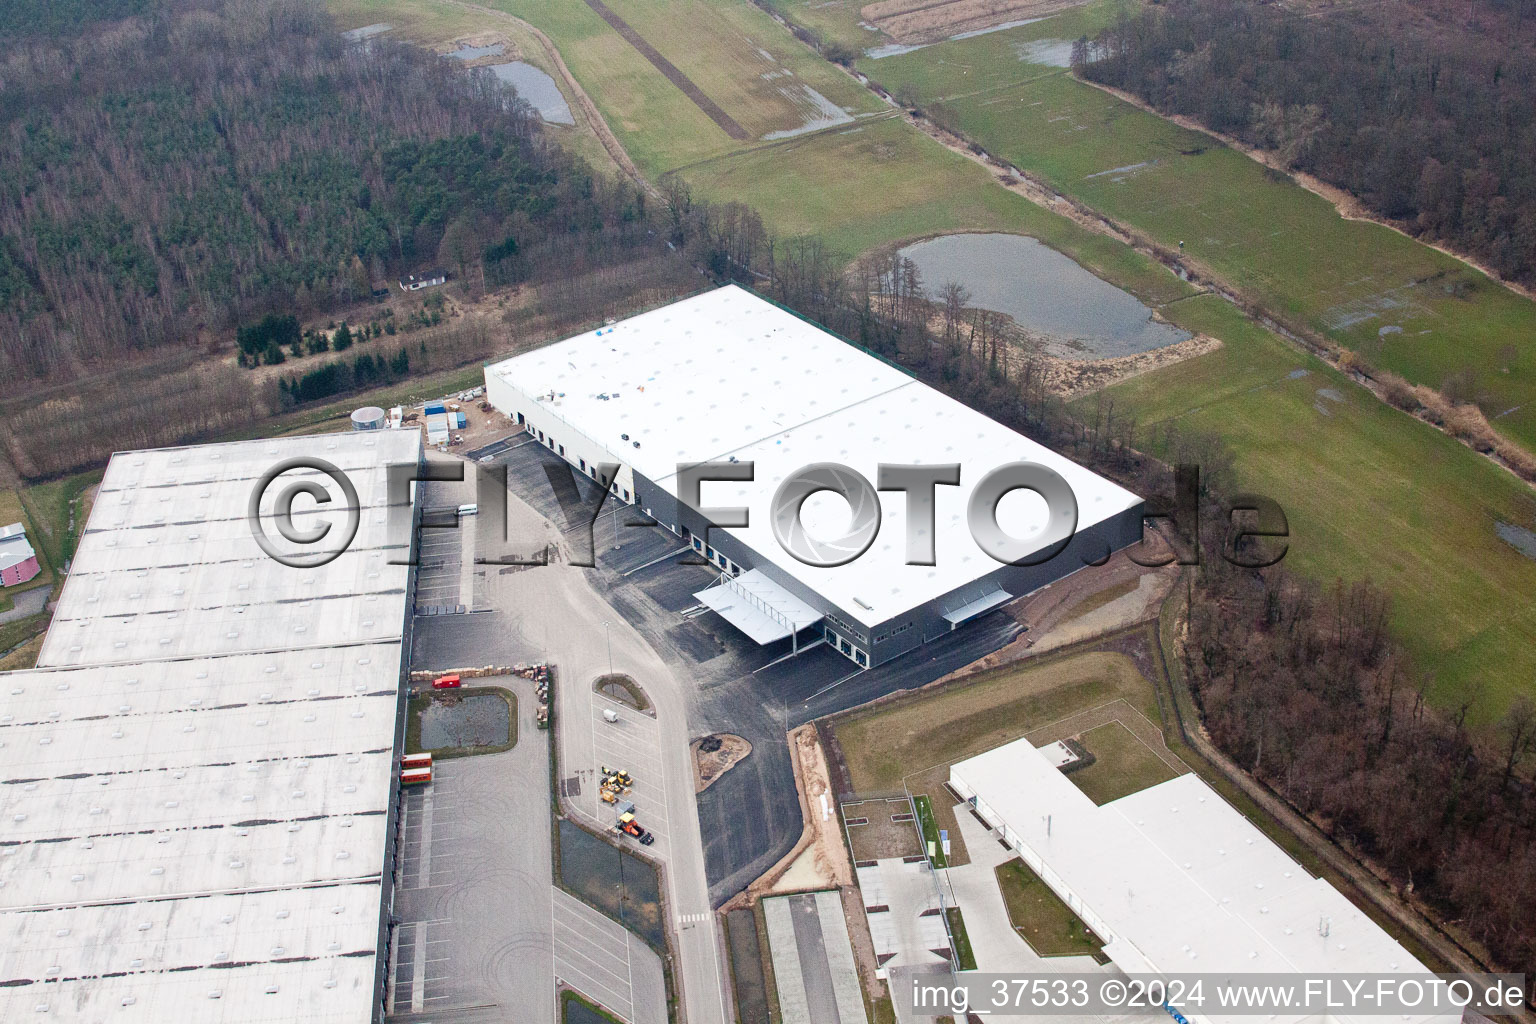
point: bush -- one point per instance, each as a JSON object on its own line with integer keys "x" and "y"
{"x": 839, "y": 53}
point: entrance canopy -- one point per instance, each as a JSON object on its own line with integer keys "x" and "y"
{"x": 758, "y": 607}
{"x": 986, "y": 602}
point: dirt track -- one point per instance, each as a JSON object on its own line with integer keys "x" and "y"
{"x": 676, "y": 77}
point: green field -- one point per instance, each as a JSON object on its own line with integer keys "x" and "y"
{"x": 882, "y": 181}
{"x": 923, "y": 805}
{"x": 965, "y": 959}
{"x": 1272, "y": 241}
{"x": 736, "y": 54}
{"x": 832, "y": 20}
{"x": 883, "y": 746}
{"x": 744, "y": 61}
{"x": 1368, "y": 492}
{"x": 1122, "y": 765}
{"x": 1040, "y": 917}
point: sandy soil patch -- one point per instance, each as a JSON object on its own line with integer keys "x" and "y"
{"x": 1071, "y": 378}
{"x": 1074, "y": 608}
{"x": 819, "y": 860}
{"x": 480, "y": 40}
{"x": 928, "y": 21}
{"x": 715, "y": 755}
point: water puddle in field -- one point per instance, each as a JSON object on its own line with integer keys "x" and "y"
{"x": 1053, "y": 53}
{"x": 1519, "y": 538}
{"x": 1119, "y": 174}
{"x": 824, "y": 114}
{"x": 538, "y": 89}
{"x": 1044, "y": 292}
{"x": 897, "y": 49}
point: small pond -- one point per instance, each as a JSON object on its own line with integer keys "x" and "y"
{"x": 479, "y": 720}
{"x": 613, "y": 880}
{"x": 538, "y": 89}
{"x": 1045, "y": 292}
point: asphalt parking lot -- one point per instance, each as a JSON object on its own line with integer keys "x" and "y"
{"x": 473, "y": 887}
{"x": 605, "y": 962}
{"x": 438, "y": 571}
{"x": 750, "y": 817}
{"x": 633, "y": 744}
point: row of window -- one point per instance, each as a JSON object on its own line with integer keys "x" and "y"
{"x": 850, "y": 627}
{"x": 716, "y": 557}
{"x": 847, "y": 649}
{"x": 893, "y": 632}
{"x": 613, "y": 488}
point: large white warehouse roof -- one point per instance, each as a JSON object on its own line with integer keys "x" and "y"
{"x": 198, "y": 775}
{"x": 1182, "y": 882}
{"x": 727, "y": 375}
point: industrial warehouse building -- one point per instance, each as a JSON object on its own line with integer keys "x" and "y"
{"x": 200, "y": 775}
{"x": 1174, "y": 880}
{"x": 726, "y": 376}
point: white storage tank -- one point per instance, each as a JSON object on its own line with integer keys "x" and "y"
{"x": 369, "y": 417}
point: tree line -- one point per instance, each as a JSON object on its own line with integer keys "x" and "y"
{"x": 180, "y": 173}
{"x": 1430, "y": 128}
{"x": 207, "y": 169}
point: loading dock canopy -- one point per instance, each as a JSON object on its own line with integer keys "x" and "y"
{"x": 986, "y": 602}
{"x": 758, "y": 607}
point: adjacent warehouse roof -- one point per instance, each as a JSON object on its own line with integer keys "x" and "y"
{"x": 727, "y": 375}
{"x": 198, "y": 774}
{"x": 1183, "y": 882}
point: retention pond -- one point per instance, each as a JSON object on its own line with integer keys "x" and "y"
{"x": 538, "y": 88}
{"x": 1046, "y": 293}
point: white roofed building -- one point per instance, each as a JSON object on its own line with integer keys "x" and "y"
{"x": 201, "y": 773}
{"x": 729, "y": 377}
{"x": 1176, "y": 881}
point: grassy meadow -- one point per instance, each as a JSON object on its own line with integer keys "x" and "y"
{"x": 1401, "y": 304}
{"x": 1369, "y": 492}
{"x": 882, "y": 181}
